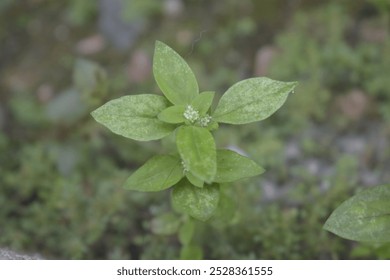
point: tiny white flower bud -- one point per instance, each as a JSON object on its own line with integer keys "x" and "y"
{"x": 191, "y": 114}
{"x": 204, "y": 121}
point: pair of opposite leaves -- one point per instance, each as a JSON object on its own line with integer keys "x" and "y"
{"x": 149, "y": 117}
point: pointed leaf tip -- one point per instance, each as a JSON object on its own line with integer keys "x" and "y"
{"x": 232, "y": 166}
{"x": 157, "y": 174}
{"x": 135, "y": 116}
{"x": 252, "y": 100}
{"x": 173, "y": 75}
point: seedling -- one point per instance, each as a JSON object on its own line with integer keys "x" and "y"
{"x": 196, "y": 170}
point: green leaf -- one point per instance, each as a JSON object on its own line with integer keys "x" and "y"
{"x": 203, "y": 102}
{"x": 135, "y": 116}
{"x": 364, "y": 217}
{"x": 88, "y": 75}
{"x": 194, "y": 180}
{"x": 173, "y": 114}
{"x": 173, "y": 75}
{"x": 191, "y": 252}
{"x": 226, "y": 211}
{"x": 90, "y": 80}
{"x": 186, "y": 232}
{"x": 165, "y": 224}
{"x": 196, "y": 147}
{"x": 199, "y": 203}
{"x": 232, "y": 166}
{"x": 213, "y": 125}
{"x": 158, "y": 173}
{"x": 252, "y": 100}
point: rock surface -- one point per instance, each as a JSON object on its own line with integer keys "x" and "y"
{"x": 121, "y": 33}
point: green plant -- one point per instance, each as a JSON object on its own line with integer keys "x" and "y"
{"x": 197, "y": 168}
{"x": 318, "y": 51}
{"x": 363, "y": 217}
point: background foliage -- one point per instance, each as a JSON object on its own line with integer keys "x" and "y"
{"x": 60, "y": 172}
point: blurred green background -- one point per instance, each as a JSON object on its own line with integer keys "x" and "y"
{"x": 61, "y": 172}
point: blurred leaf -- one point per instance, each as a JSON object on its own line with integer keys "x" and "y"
{"x": 173, "y": 75}
{"x": 232, "y": 166}
{"x": 199, "y": 203}
{"x": 135, "y": 116}
{"x": 165, "y": 224}
{"x": 364, "y": 217}
{"x": 252, "y": 100}
{"x": 90, "y": 79}
{"x": 173, "y": 114}
{"x": 191, "y": 252}
{"x": 186, "y": 232}
{"x": 226, "y": 210}
{"x": 382, "y": 5}
{"x": 140, "y": 10}
{"x": 79, "y": 12}
{"x": 197, "y": 149}
{"x": 158, "y": 173}
{"x": 25, "y": 109}
{"x": 87, "y": 75}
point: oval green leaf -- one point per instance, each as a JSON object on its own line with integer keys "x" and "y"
{"x": 194, "y": 180}
{"x": 232, "y": 166}
{"x": 173, "y": 114}
{"x": 173, "y": 75}
{"x": 199, "y": 203}
{"x": 196, "y": 147}
{"x": 158, "y": 173}
{"x": 191, "y": 252}
{"x": 364, "y": 217}
{"x": 135, "y": 116}
{"x": 203, "y": 101}
{"x": 252, "y": 100}
{"x": 165, "y": 224}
